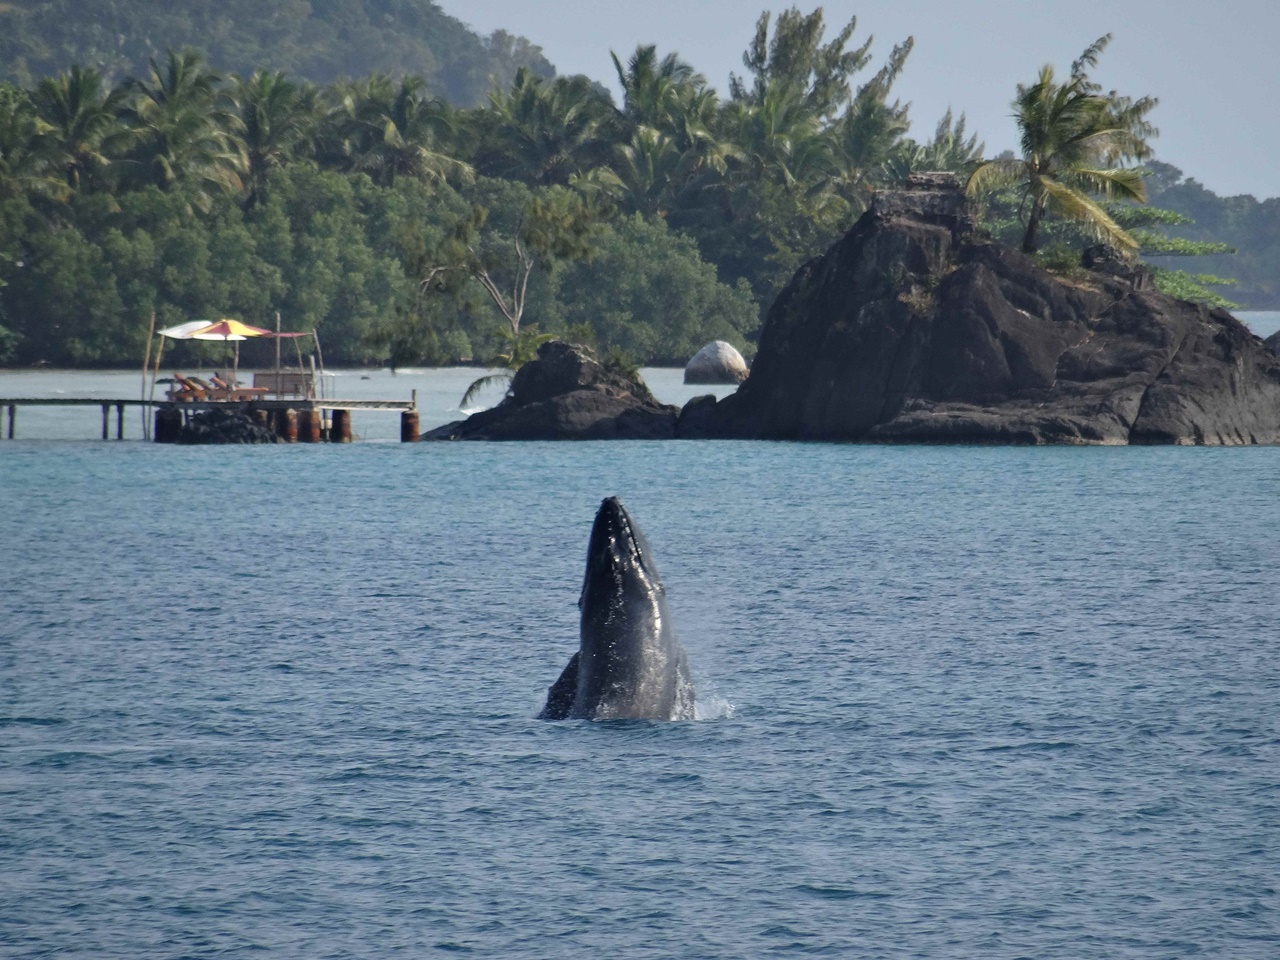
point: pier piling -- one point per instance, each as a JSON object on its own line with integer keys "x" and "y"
{"x": 119, "y": 421}
{"x": 409, "y": 426}
{"x": 340, "y": 427}
{"x": 309, "y": 426}
{"x": 168, "y": 425}
{"x": 13, "y": 413}
{"x": 287, "y": 425}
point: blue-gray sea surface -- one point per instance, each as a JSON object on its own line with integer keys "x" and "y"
{"x": 956, "y": 702}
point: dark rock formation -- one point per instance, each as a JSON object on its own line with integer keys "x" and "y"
{"x": 565, "y": 394}
{"x": 716, "y": 363}
{"x": 224, "y": 426}
{"x": 1273, "y": 343}
{"x": 912, "y": 329}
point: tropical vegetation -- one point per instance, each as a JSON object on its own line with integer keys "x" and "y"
{"x": 1075, "y": 140}
{"x": 410, "y": 223}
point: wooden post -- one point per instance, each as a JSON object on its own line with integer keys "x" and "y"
{"x": 340, "y": 427}
{"x": 168, "y": 425}
{"x": 287, "y": 425}
{"x": 13, "y": 412}
{"x": 309, "y": 426}
{"x": 146, "y": 366}
{"x": 261, "y": 417}
{"x": 119, "y": 421}
{"x": 106, "y": 421}
{"x": 277, "y": 353}
{"x": 409, "y": 426}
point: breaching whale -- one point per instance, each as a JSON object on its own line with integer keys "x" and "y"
{"x": 629, "y": 664}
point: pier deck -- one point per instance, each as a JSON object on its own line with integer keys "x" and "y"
{"x": 269, "y": 405}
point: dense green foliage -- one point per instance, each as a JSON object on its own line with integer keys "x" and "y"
{"x": 321, "y": 42}
{"x": 1062, "y": 241}
{"x": 406, "y": 229}
{"x": 1250, "y": 226}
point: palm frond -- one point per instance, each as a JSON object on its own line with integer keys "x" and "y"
{"x": 1075, "y": 205}
{"x": 993, "y": 174}
{"x": 1123, "y": 184}
{"x": 492, "y": 379}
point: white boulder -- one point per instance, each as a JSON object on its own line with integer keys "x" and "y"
{"x": 717, "y": 362}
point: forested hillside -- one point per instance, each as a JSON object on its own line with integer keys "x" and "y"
{"x": 320, "y": 41}
{"x": 1250, "y": 225}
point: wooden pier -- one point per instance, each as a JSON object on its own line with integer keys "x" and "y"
{"x": 318, "y": 419}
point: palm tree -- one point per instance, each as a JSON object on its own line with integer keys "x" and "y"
{"x": 397, "y": 130}
{"x": 545, "y": 132}
{"x": 780, "y": 137}
{"x": 24, "y": 169}
{"x": 82, "y": 128}
{"x": 1073, "y": 137}
{"x": 277, "y": 118}
{"x": 655, "y": 92}
{"x": 669, "y": 154}
{"x": 185, "y": 136}
{"x": 950, "y": 150}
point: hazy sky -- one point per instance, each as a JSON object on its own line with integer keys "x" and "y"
{"x": 1214, "y": 66}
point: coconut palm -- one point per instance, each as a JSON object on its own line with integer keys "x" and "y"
{"x": 185, "y": 135}
{"x": 24, "y": 169}
{"x": 82, "y": 128}
{"x": 1073, "y": 138}
{"x": 278, "y": 119}
{"x": 656, "y": 92}
{"x": 399, "y": 131}
{"x": 545, "y": 132}
{"x": 780, "y": 138}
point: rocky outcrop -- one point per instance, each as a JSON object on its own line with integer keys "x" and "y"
{"x": 716, "y": 363}
{"x": 1273, "y": 343}
{"x": 565, "y": 394}
{"x": 912, "y": 329}
{"x": 224, "y": 426}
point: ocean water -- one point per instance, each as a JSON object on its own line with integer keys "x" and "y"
{"x": 955, "y": 702}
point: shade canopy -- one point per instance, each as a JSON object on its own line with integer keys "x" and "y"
{"x": 228, "y": 330}
{"x": 225, "y": 329}
{"x": 183, "y": 331}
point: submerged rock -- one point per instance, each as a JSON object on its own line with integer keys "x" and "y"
{"x": 717, "y": 362}
{"x": 224, "y": 426}
{"x": 912, "y": 329}
{"x": 566, "y": 394}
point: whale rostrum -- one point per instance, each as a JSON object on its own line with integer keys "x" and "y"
{"x": 629, "y": 664}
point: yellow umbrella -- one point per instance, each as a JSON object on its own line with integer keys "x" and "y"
{"x": 228, "y": 329}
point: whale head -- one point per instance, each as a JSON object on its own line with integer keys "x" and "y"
{"x": 629, "y": 664}
{"x": 619, "y": 563}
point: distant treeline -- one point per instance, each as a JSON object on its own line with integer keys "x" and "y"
{"x": 1249, "y": 225}
{"x": 317, "y": 41}
{"x": 406, "y": 228}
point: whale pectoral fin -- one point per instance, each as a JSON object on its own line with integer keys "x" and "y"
{"x": 561, "y": 694}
